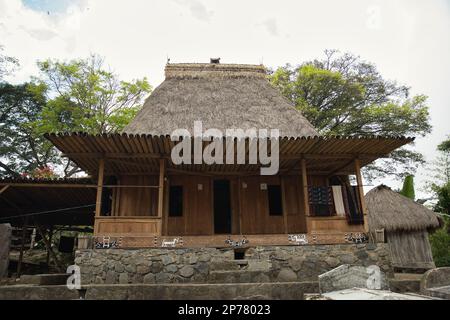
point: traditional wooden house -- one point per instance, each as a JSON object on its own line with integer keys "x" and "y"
{"x": 144, "y": 199}
{"x": 405, "y": 225}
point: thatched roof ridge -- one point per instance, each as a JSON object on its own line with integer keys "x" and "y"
{"x": 168, "y": 136}
{"x": 222, "y": 96}
{"x": 209, "y": 70}
{"x": 390, "y": 210}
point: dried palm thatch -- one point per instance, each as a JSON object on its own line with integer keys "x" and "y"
{"x": 222, "y": 96}
{"x": 390, "y": 210}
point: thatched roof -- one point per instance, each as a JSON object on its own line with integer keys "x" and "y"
{"x": 390, "y": 210}
{"x": 222, "y": 96}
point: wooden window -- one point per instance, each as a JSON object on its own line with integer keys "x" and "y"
{"x": 176, "y": 201}
{"x": 320, "y": 201}
{"x": 275, "y": 200}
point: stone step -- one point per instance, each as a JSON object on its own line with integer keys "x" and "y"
{"x": 238, "y": 276}
{"x": 34, "y": 292}
{"x": 405, "y": 282}
{"x": 219, "y": 291}
{"x": 44, "y": 279}
{"x": 223, "y": 265}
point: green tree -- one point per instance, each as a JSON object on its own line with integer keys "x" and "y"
{"x": 84, "y": 96}
{"x": 22, "y": 149}
{"x": 408, "y": 188}
{"x": 343, "y": 95}
{"x": 442, "y": 169}
{"x": 443, "y": 199}
{"x": 440, "y": 245}
{"x": 440, "y": 186}
{"x": 439, "y": 170}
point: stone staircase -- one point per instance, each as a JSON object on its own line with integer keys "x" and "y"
{"x": 240, "y": 271}
{"x": 228, "y": 279}
{"x": 190, "y": 291}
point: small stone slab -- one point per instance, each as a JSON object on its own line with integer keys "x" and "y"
{"x": 440, "y": 292}
{"x": 434, "y": 278}
{"x": 368, "y": 294}
{"x": 346, "y": 277}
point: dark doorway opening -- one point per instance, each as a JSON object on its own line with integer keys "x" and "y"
{"x": 222, "y": 207}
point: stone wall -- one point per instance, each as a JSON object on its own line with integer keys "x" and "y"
{"x": 210, "y": 265}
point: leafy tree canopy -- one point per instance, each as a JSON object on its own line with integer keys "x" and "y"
{"x": 22, "y": 149}
{"x": 444, "y": 146}
{"x": 439, "y": 170}
{"x": 343, "y": 95}
{"x": 84, "y": 96}
{"x": 79, "y": 95}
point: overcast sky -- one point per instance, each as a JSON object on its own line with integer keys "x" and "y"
{"x": 408, "y": 40}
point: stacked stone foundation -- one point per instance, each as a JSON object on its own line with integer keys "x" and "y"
{"x": 210, "y": 265}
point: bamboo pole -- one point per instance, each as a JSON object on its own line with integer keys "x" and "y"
{"x": 74, "y": 185}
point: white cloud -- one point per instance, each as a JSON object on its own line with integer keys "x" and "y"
{"x": 197, "y": 9}
{"x": 409, "y": 40}
{"x": 271, "y": 26}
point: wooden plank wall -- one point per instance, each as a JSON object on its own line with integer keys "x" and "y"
{"x": 197, "y": 216}
{"x": 294, "y": 207}
{"x": 123, "y": 226}
{"x": 250, "y": 208}
{"x": 255, "y": 207}
{"x": 136, "y": 201}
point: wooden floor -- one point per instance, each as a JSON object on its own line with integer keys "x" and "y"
{"x": 225, "y": 241}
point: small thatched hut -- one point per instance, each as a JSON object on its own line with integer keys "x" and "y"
{"x": 406, "y": 225}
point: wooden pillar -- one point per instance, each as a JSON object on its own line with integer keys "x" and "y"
{"x": 360, "y": 185}
{"x": 22, "y": 245}
{"x": 48, "y": 245}
{"x": 162, "y": 169}
{"x": 305, "y": 188}
{"x": 50, "y": 236}
{"x": 239, "y": 195}
{"x": 166, "y": 208}
{"x": 283, "y": 197}
{"x": 101, "y": 173}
